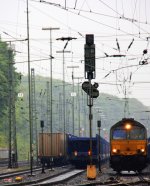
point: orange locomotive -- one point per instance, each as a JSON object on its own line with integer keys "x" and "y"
{"x": 128, "y": 145}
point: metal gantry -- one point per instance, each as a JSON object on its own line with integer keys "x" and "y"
{"x": 29, "y": 87}
{"x": 51, "y": 75}
{"x": 73, "y": 94}
{"x": 79, "y": 107}
{"x": 48, "y": 106}
{"x": 60, "y": 111}
{"x": 13, "y": 157}
{"x": 67, "y": 39}
{"x": 64, "y": 93}
{"x": 50, "y": 97}
{"x": 49, "y": 120}
{"x": 34, "y": 118}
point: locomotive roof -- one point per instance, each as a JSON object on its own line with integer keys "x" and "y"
{"x": 131, "y": 120}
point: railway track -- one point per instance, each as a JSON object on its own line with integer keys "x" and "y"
{"x": 109, "y": 178}
{"x": 128, "y": 179}
{"x": 16, "y": 173}
{"x": 69, "y": 176}
{"x": 61, "y": 178}
{"x": 38, "y": 178}
{"x": 142, "y": 179}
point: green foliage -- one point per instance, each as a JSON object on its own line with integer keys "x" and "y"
{"x": 23, "y": 145}
{"x": 3, "y": 140}
{"x": 6, "y": 59}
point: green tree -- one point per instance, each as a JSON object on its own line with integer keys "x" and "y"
{"x": 6, "y": 59}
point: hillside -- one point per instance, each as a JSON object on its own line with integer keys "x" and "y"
{"x": 107, "y": 108}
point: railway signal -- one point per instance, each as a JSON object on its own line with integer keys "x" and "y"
{"x": 89, "y": 56}
{"x": 86, "y": 86}
{"x": 91, "y": 90}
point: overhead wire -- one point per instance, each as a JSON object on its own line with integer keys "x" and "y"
{"x": 81, "y": 7}
{"x": 131, "y": 20}
{"x": 134, "y": 9}
{"x": 145, "y": 12}
{"x": 75, "y": 4}
{"x": 92, "y": 19}
{"x": 122, "y": 7}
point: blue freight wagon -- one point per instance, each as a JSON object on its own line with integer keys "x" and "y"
{"x": 79, "y": 150}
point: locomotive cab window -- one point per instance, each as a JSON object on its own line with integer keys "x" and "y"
{"x": 137, "y": 133}
{"x": 133, "y": 133}
{"x": 119, "y": 134}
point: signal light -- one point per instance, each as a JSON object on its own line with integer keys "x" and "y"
{"x": 75, "y": 153}
{"x": 86, "y": 86}
{"x": 96, "y": 85}
{"x": 89, "y": 153}
{"x": 89, "y": 56}
{"x": 89, "y": 39}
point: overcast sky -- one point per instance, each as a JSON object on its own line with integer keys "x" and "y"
{"x": 119, "y": 27}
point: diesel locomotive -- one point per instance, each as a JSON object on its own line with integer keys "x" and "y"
{"x": 128, "y": 146}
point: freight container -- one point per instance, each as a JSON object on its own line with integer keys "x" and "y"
{"x": 52, "y": 148}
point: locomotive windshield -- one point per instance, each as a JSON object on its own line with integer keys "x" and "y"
{"x": 135, "y": 133}
{"x": 119, "y": 134}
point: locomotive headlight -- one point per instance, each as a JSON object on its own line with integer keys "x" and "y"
{"x": 142, "y": 150}
{"x": 114, "y": 150}
{"x": 128, "y": 126}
